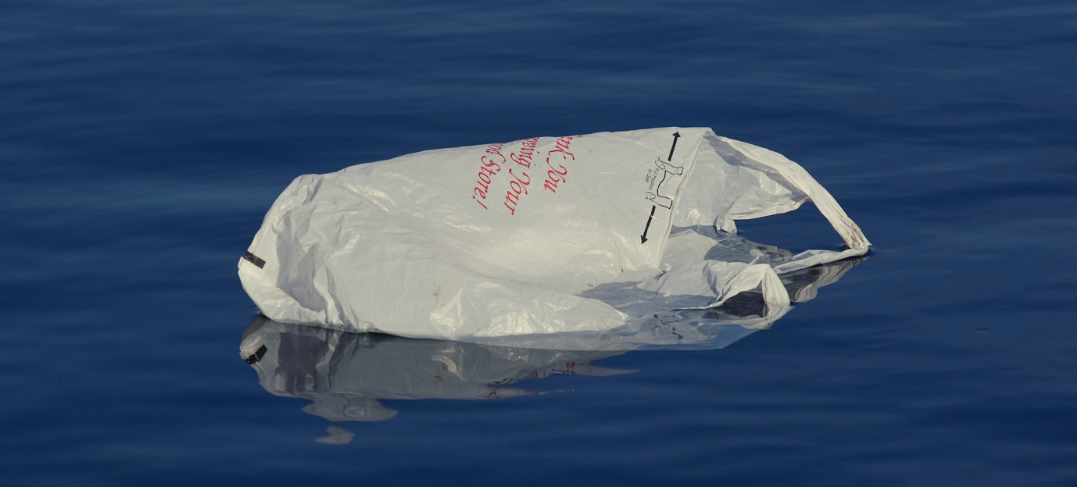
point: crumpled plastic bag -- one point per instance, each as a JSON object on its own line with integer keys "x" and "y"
{"x": 538, "y": 236}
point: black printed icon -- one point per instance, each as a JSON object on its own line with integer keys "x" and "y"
{"x": 656, "y": 196}
{"x": 665, "y": 168}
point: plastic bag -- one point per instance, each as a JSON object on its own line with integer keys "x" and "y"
{"x": 537, "y": 236}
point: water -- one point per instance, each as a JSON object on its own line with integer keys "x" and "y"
{"x": 142, "y": 142}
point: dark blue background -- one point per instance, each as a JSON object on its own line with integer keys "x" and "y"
{"x": 141, "y": 143}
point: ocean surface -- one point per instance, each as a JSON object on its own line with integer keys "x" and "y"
{"x": 141, "y": 143}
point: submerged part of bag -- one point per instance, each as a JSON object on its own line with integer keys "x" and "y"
{"x": 545, "y": 235}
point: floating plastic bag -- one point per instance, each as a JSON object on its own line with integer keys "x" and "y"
{"x": 545, "y": 235}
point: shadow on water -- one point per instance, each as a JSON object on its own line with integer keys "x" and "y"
{"x": 345, "y": 375}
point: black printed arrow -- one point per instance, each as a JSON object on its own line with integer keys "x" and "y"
{"x": 643, "y": 238}
{"x": 671, "y": 149}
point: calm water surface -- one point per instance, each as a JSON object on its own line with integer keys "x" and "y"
{"x": 142, "y": 142}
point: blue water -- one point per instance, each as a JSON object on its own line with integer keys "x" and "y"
{"x": 141, "y": 142}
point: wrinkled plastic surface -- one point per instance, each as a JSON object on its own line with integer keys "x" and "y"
{"x": 540, "y": 236}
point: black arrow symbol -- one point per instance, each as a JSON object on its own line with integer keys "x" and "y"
{"x": 671, "y": 149}
{"x": 643, "y": 238}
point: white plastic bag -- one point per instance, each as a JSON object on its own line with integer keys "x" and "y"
{"x": 537, "y": 236}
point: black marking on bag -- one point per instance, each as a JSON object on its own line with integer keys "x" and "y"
{"x": 257, "y": 355}
{"x": 253, "y": 259}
